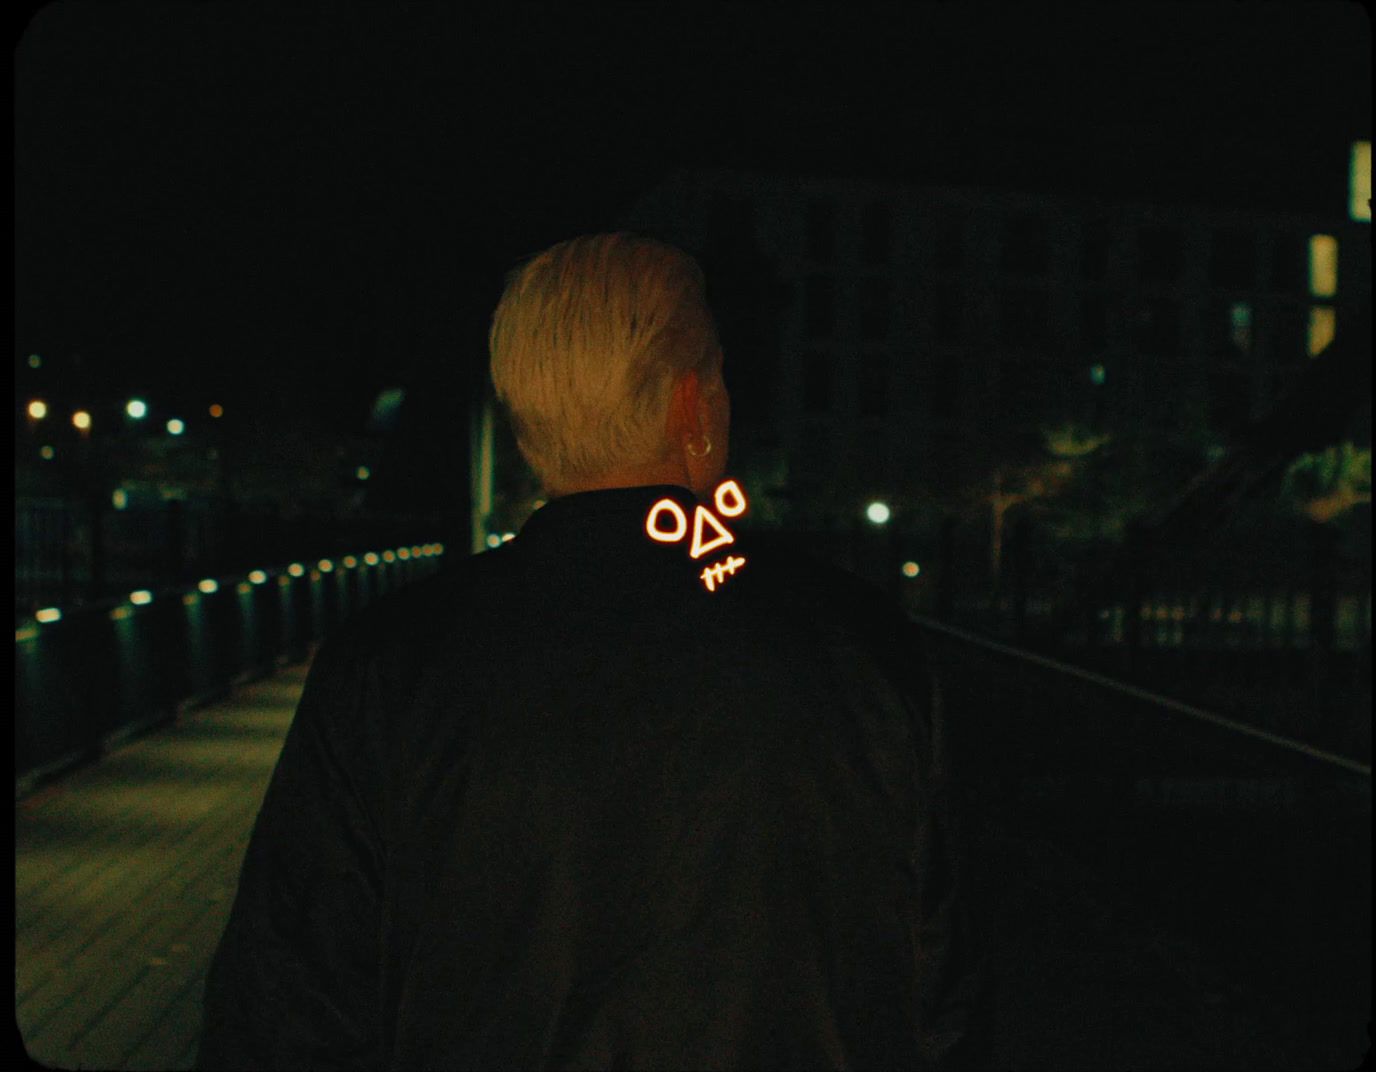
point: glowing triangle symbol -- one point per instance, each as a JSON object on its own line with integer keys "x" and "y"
{"x": 723, "y": 537}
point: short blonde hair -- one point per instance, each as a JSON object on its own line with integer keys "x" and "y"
{"x": 586, "y": 343}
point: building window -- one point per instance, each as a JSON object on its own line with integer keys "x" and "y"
{"x": 821, "y": 230}
{"x": 1359, "y": 181}
{"x": 874, "y": 384}
{"x": 948, "y": 239}
{"x": 945, "y": 385}
{"x": 1024, "y": 318}
{"x": 875, "y": 233}
{"x": 1229, "y": 398}
{"x": 1240, "y": 327}
{"x": 820, "y": 302}
{"x": 948, "y": 312}
{"x": 730, "y": 221}
{"x": 875, "y": 308}
{"x": 1094, "y": 321}
{"x": 1159, "y": 254}
{"x": 1025, "y": 246}
{"x": 1233, "y": 259}
{"x": 1287, "y": 327}
{"x": 1323, "y": 266}
{"x": 1288, "y": 259}
{"x": 1094, "y": 245}
{"x": 1025, "y": 388}
{"x": 1159, "y": 327}
{"x": 817, "y": 370}
{"x": 1323, "y": 326}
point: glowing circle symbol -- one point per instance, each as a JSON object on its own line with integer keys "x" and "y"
{"x": 729, "y": 500}
{"x": 653, "y": 530}
{"x": 735, "y": 505}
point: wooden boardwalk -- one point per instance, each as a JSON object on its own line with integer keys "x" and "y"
{"x": 125, "y": 872}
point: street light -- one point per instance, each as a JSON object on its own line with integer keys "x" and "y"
{"x": 137, "y": 408}
{"x": 175, "y": 427}
{"x": 217, "y": 410}
{"x": 877, "y": 512}
{"x": 81, "y": 420}
{"x": 38, "y": 409}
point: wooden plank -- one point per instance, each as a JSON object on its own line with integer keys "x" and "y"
{"x": 103, "y": 916}
{"x": 121, "y": 1027}
{"x": 83, "y": 994}
{"x": 52, "y": 820}
{"x": 89, "y": 959}
{"x": 200, "y": 798}
{"x": 176, "y": 950}
{"x": 172, "y": 1041}
{"x": 125, "y": 926}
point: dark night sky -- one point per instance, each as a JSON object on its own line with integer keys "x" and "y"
{"x": 250, "y": 200}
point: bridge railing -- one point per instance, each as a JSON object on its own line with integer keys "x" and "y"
{"x": 89, "y": 677}
{"x": 1255, "y": 845}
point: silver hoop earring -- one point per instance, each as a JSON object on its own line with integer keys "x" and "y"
{"x": 707, "y": 449}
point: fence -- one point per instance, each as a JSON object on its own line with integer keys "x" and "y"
{"x": 1270, "y": 627}
{"x": 1255, "y": 847}
{"x": 89, "y": 677}
{"x": 75, "y": 552}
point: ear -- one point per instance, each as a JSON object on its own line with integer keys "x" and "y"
{"x": 683, "y": 407}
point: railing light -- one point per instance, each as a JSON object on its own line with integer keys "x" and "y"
{"x": 326, "y": 566}
{"x": 350, "y": 562}
{"x": 403, "y": 553}
{"x": 141, "y": 597}
{"x": 49, "y": 614}
{"x": 118, "y": 614}
{"x": 389, "y": 556}
{"x": 371, "y": 558}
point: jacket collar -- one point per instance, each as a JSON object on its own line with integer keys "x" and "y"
{"x": 609, "y": 516}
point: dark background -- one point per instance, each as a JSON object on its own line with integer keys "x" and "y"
{"x": 288, "y": 208}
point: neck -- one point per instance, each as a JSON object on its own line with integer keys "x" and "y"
{"x": 665, "y": 473}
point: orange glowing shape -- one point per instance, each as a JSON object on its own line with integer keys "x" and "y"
{"x": 700, "y": 516}
{"x": 652, "y": 528}
{"x": 730, "y": 499}
{"x": 716, "y": 574}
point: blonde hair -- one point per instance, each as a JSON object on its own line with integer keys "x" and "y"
{"x": 586, "y": 343}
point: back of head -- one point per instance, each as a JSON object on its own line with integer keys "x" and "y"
{"x": 586, "y": 343}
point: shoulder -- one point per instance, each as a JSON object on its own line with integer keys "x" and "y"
{"x": 412, "y": 621}
{"x": 803, "y": 587}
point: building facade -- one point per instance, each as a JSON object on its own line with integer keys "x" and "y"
{"x": 902, "y": 335}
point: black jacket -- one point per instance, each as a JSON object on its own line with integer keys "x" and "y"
{"x": 560, "y": 806}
